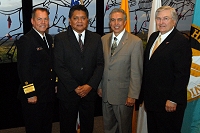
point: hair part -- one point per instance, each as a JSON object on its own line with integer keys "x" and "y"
{"x": 118, "y": 10}
{"x": 41, "y": 9}
{"x": 172, "y": 10}
{"x": 79, "y": 8}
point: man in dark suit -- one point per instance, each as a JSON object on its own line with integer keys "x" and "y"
{"x": 166, "y": 74}
{"x": 34, "y": 59}
{"x": 122, "y": 76}
{"x": 79, "y": 65}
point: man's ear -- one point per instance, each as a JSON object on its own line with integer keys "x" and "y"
{"x": 31, "y": 20}
{"x": 125, "y": 22}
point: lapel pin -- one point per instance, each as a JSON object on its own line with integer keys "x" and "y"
{"x": 39, "y": 48}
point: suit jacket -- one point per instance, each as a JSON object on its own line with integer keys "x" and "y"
{"x": 35, "y": 65}
{"x": 167, "y": 72}
{"x": 75, "y": 68}
{"x": 123, "y": 70}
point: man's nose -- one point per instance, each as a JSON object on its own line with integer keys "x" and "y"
{"x": 79, "y": 19}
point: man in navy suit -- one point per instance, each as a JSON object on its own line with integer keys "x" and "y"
{"x": 34, "y": 60}
{"x": 79, "y": 64}
{"x": 166, "y": 74}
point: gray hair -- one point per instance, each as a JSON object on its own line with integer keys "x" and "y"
{"x": 172, "y": 10}
{"x": 118, "y": 10}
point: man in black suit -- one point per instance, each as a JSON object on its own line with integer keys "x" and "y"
{"x": 166, "y": 74}
{"x": 34, "y": 59}
{"x": 79, "y": 65}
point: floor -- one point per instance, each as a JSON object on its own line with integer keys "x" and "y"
{"x": 98, "y": 127}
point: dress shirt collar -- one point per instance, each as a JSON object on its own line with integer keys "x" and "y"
{"x": 119, "y": 37}
{"x": 77, "y": 36}
{"x": 40, "y": 33}
{"x": 163, "y": 36}
{"x": 42, "y": 36}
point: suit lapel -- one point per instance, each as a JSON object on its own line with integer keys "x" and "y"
{"x": 39, "y": 40}
{"x": 108, "y": 45}
{"x": 50, "y": 43}
{"x": 87, "y": 40}
{"x": 72, "y": 39}
{"x": 149, "y": 45}
{"x": 75, "y": 42}
{"x": 166, "y": 42}
{"x": 122, "y": 42}
{"x": 163, "y": 45}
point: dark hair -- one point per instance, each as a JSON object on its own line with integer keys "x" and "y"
{"x": 41, "y": 9}
{"x": 78, "y": 7}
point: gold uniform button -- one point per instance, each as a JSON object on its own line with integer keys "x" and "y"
{"x": 51, "y": 79}
{"x": 51, "y": 70}
{"x": 26, "y": 83}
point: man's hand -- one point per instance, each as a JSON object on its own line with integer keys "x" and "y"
{"x": 99, "y": 92}
{"x": 170, "y": 106}
{"x": 83, "y": 90}
{"x": 32, "y": 100}
{"x": 56, "y": 89}
{"x": 130, "y": 101}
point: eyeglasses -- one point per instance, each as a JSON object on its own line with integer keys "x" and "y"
{"x": 165, "y": 19}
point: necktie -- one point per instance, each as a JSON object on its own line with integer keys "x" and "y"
{"x": 156, "y": 44}
{"x": 45, "y": 41}
{"x": 80, "y": 42}
{"x": 114, "y": 46}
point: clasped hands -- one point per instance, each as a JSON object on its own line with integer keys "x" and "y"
{"x": 83, "y": 90}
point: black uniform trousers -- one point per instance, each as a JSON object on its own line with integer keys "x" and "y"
{"x": 38, "y": 117}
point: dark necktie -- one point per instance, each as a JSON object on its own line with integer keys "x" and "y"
{"x": 45, "y": 42}
{"x": 114, "y": 46}
{"x": 80, "y": 42}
